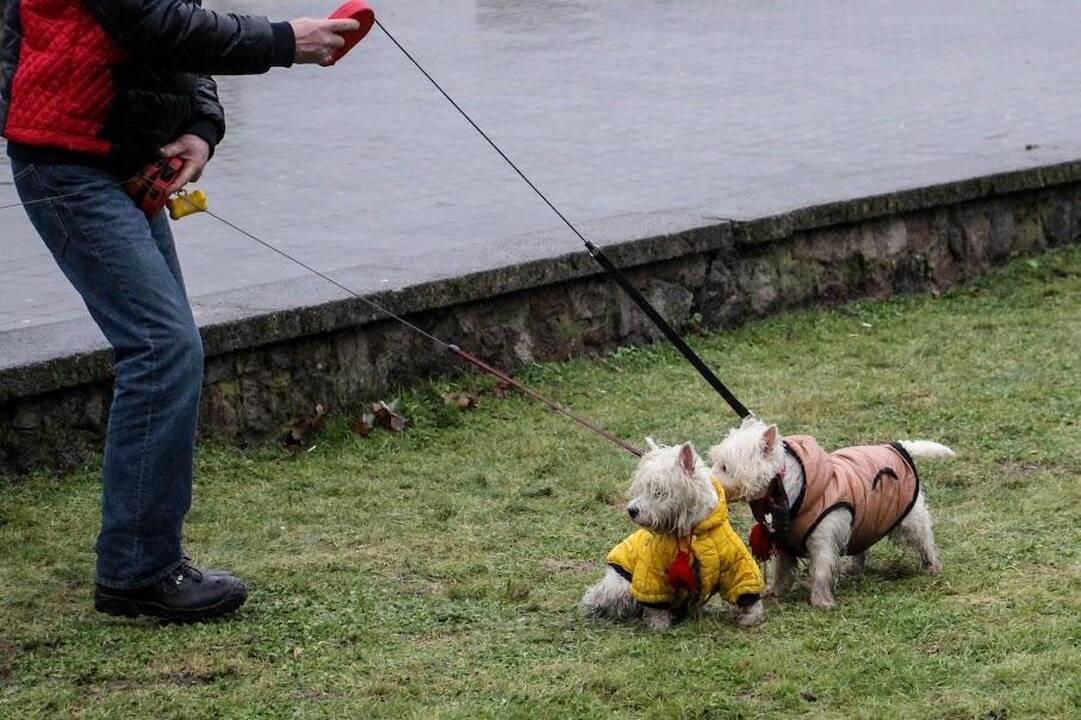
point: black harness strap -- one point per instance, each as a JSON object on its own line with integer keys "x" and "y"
{"x": 772, "y": 509}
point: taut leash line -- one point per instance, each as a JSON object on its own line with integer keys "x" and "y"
{"x": 370, "y": 303}
{"x": 466, "y": 356}
{"x": 595, "y": 252}
{"x": 526, "y": 390}
{"x": 462, "y": 354}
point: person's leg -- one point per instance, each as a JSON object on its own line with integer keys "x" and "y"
{"x": 106, "y": 248}
{"x": 163, "y": 238}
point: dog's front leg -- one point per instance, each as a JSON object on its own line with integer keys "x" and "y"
{"x": 781, "y": 574}
{"x": 823, "y": 570}
{"x": 824, "y": 547}
{"x": 657, "y": 619}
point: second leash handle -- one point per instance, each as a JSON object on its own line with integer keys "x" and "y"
{"x": 357, "y": 10}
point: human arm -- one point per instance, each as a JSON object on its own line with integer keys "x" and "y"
{"x": 208, "y": 115}
{"x": 208, "y": 124}
{"x": 194, "y": 152}
{"x": 195, "y": 146}
{"x": 183, "y": 36}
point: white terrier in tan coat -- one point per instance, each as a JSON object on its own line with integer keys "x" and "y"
{"x": 821, "y": 506}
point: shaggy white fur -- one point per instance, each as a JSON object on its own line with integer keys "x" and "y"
{"x": 752, "y": 454}
{"x": 671, "y": 492}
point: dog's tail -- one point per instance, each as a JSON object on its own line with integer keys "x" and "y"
{"x": 926, "y": 449}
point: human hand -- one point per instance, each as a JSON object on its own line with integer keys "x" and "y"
{"x": 194, "y": 152}
{"x": 318, "y": 39}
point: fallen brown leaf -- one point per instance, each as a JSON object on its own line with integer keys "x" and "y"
{"x": 363, "y": 425}
{"x": 397, "y": 423}
{"x": 379, "y": 415}
{"x": 302, "y": 430}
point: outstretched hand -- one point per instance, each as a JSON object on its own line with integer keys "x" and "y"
{"x": 194, "y": 152}
{"x": 318, "y": 39}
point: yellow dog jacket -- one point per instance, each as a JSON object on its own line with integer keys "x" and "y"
{"x": 877, "y": 483}
{"x": 720, "y": 560}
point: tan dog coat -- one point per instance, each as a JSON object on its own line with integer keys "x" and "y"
{"x": 877, "y": 483}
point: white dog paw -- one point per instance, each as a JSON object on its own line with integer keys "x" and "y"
{"x": 753, "y": 615}
{"x": 822, "y": 600}
{"x": 658, "y": 620}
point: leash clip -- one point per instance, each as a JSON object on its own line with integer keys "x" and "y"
{"x": 185, "y": 203}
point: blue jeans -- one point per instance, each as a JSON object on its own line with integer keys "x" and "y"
{"x": 126, "y": 270}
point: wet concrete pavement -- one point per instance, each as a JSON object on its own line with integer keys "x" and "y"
{"x": 613, "y": 107}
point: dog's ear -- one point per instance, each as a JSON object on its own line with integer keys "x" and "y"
{"x": 769, "y": 440}
{"x": 652, "y": 444}
{"x": 686, "y": 458}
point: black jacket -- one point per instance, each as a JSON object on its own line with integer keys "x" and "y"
{"x": 154, "y": 61}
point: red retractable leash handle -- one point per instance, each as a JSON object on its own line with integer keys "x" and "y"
{"x": 357, "y": 10}
{"x": 150, "y": 188}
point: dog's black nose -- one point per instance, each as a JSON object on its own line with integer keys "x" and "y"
{"x": 633, "y": 512}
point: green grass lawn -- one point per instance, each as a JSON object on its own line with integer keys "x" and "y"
{"x": 436, "y": 573}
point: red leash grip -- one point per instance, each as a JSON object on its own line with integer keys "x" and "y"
{"x": 150, "y": 188}
{"x": 357, "y": 10}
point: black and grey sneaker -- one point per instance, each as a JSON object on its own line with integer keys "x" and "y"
{"x": 186, "y": 595}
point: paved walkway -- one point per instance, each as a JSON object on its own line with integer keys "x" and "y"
{"x": 732, "y": 109}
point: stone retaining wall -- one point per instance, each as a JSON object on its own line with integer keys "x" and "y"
{"x": 266, "y": 372}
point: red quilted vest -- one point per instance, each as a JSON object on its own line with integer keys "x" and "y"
{"x": 63, "y": 87}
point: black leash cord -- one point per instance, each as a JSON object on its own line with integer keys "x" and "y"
{"x": 669, "y": 332}
{"x": 595, "y": 252}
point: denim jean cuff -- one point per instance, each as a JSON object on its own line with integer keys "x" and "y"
{"x": 135, "y": 584}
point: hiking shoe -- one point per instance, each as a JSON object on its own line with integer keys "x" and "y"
{"x": 186, "y": 595}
